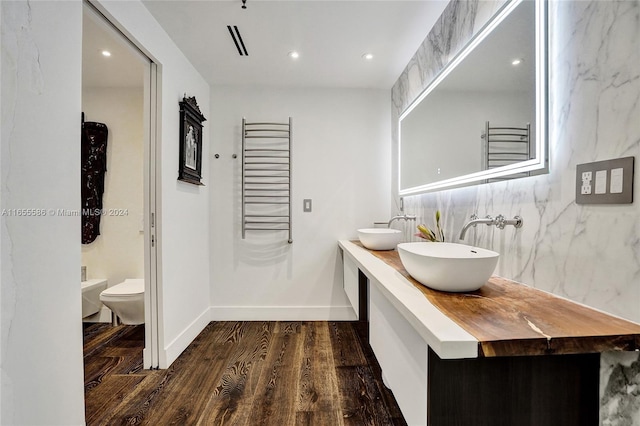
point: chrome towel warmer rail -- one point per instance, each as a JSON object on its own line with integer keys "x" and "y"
{"x": 506, "y": 145}
{"x": 266, "y": 177}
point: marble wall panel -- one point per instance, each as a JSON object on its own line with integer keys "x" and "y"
{"x": 587, "y": 253}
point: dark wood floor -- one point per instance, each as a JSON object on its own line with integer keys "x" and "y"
{"x": 240, "y": 373}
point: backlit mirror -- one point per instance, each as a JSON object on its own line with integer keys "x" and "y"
{"x": 484, "y": 116}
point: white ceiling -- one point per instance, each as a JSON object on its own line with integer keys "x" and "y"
{"x": 331, "y": 37}
{"x": 125, "y": 66}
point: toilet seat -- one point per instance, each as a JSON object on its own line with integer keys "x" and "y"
{"x": 126, "y": 301}
{"x": 128, "y": 288}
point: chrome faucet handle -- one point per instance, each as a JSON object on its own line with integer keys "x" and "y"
{"x": 488, "y": 217}
{"x": 501, "y": 221}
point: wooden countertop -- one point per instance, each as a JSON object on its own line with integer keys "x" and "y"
{"x": 511, "y": 319}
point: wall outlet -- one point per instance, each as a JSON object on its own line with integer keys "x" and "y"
{"x": 605, "y": 182}
{"x": 585, "y": 189}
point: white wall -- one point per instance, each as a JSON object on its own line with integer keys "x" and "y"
{"x": 340, "y": 161}
{"x": 118, "y": 252}
{"x": 42, "y": 376}
{"x": 184, "y": 220}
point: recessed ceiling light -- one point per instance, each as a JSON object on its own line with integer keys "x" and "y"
{"x": 368, "y": 56}
{"x": 294, "y": 55}
{"x": 106, "y": 53}
{"x": 517, "y": 61}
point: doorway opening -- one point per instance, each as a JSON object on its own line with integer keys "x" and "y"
{"x": 119, "y": 92}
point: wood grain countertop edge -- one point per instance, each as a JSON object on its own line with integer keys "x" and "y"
{"x": 517, "y": 333}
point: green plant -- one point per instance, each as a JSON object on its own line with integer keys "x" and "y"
{"x": 437, "y": 235}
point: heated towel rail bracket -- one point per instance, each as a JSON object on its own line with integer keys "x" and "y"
{"x": 266, "y": 177}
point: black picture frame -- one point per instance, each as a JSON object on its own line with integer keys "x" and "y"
{"x": 191, "y": 119}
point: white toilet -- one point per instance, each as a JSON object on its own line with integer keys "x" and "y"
{"x": 126, "y": 300}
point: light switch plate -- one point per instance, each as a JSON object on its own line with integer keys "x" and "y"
{"x": 617, "y": 181}
{"x": 306, "y": 205}
{"x": 601, "y": 182}
{"x": 605, "y": 182}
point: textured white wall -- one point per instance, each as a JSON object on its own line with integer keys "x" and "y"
{"x": 118, "y": 252}
{"x": 340, "y": 161}
{"x": 42, "y": 376}
{"x": 41, "y": 105}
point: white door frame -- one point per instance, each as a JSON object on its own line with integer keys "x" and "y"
{"x": 151, "y": 353}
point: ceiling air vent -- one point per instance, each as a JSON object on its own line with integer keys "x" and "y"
{"x": 237, "y": 39}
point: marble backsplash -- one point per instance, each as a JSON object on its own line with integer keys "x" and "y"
{"x": 586, "y": 253}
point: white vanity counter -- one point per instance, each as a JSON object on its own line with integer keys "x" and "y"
{"x": 439, "y": 332}
{"x": 504, "y": 354}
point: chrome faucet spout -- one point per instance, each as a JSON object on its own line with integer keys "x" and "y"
{"x": 403, "y": 217}
{"x": 475, "y": 221}
{"x": 499, "y": 221}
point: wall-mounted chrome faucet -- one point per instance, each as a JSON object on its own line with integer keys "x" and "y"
{"x": 502, "y": 221}
{"x": 403, "y": 217}
{"x": 499, "y": 221}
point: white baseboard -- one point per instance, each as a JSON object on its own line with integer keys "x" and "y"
{"x": 251, "y": 313}
{"x": 173, "y": 350}
{"x": 282, "y": 313}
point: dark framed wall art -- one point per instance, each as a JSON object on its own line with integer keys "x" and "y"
{"x": 191, "y": 119}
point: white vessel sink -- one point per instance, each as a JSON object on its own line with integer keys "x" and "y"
{"x": 448, "y": 266}
{"x": 379, "y": 238}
